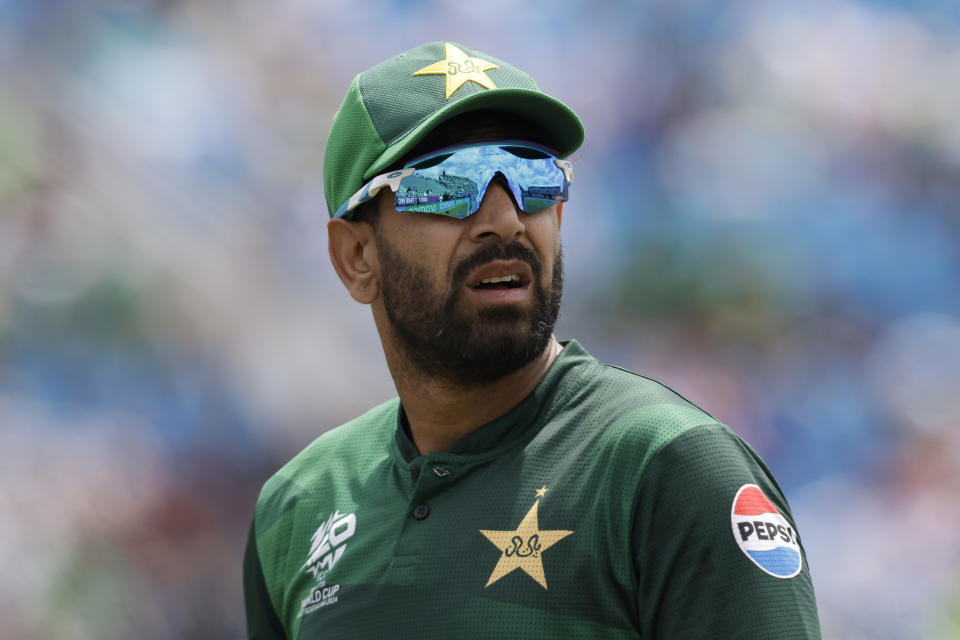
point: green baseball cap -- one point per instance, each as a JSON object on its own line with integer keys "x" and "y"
{"x": 389, "y": 108}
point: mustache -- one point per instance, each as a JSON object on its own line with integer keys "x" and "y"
{"x": 491, "y": 252}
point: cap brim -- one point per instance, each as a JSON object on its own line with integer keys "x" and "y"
{"x": 560, "y": 124}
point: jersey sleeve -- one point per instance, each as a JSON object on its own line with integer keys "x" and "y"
{"x": 262, "y": 620}
{"x": 698, "y": 574}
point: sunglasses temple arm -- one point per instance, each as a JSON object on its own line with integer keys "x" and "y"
{"x": 370, "y": 190}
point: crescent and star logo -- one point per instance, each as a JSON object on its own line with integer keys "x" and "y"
{"x": 523, "y": 547}
{"x": 459, "y": 68}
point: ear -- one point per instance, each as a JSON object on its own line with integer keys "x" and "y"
{"x": 354, "y": 256}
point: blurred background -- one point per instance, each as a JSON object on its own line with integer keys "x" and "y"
{"x": 765, "y": 217}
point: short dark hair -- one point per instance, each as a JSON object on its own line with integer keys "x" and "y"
{"x": 367, "y": 212}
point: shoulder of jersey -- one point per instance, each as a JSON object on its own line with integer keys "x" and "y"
{"x": 356, "y": 438}
{"x": 619, "y": 410}
{"x": 645, "y": 397}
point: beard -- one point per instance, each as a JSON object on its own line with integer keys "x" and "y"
{"x": 446, "y": 341}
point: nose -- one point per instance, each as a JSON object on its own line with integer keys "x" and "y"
{"x": 498, "y": 218}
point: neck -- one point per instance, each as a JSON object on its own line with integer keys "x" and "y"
{"x": 441, "y": 412}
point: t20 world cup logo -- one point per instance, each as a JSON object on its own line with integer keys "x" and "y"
{"x": 329, "y": 542}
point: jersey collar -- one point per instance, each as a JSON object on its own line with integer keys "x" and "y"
{"x": 524, "y": 420}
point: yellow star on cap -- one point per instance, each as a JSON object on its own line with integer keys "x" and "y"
{"x": 523, "y": 547}
{"x": 459, "y": 68}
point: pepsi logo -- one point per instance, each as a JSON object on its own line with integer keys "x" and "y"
{"x": 763, "y": 534}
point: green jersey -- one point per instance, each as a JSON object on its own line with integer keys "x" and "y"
{"x": 604, "y": 505}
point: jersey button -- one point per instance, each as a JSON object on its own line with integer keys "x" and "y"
{"x": 421, "y": 511}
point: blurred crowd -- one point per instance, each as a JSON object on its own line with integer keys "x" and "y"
{"x": 764, "y": 217}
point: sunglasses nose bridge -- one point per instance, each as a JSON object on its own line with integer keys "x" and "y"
{"x": 497, "y": 216}
{"x": 509, "y": 185}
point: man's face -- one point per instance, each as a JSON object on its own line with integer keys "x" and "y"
{"x": 470, "y": 300}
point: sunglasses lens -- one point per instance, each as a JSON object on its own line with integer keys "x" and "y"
{"x": 432, "y": 189}
{"x": 453, "y": 183}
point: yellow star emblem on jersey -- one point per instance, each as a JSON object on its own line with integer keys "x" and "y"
{"x": 459, "y": 68}
{"x": 523, "y": 547}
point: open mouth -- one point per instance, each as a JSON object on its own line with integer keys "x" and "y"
{"x": 500, "y": 276}
{"x": 511, "y": 281}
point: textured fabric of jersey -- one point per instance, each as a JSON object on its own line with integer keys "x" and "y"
{"x": 599, "y": 507}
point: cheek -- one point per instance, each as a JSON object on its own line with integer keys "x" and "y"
{"x": 544, "y": 234}
{"x": 426, "y": 241}
{"x": 433, "y": 252}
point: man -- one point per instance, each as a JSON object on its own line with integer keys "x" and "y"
{"x": 517, "y": 487}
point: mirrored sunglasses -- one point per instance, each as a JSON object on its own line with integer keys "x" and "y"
{"x": 452, "y": 182}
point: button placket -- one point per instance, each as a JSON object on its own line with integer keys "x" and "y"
{"x": 421, "y": 511}
{"x": 430, "y": 478}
